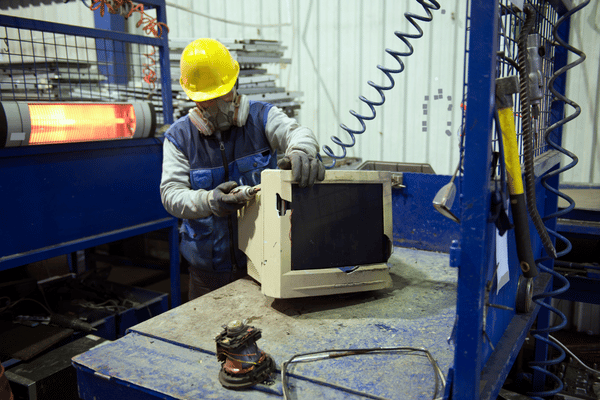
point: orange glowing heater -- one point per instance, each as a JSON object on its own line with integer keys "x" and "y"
{"x": 24, "y": 124}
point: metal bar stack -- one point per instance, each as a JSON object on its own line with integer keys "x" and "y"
{"x": 42, "y": 61}
{"x": 254, "y": 80}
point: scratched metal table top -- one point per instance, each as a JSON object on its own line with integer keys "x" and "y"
{"x": 173, "y": 354}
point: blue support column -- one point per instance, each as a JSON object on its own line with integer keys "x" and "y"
{"x": 165, "y": 66}
{"x": 109, "y": 52}
{"x": 475, "y": 235}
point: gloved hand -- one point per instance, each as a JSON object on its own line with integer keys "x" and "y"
{"x": 305, "y": 169}
{"x": 222, "y": 203}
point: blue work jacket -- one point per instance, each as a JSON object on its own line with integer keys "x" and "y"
{"x": 239, "y": 155}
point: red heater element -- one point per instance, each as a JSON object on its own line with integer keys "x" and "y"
{"x": 64, "y": 123}
{"x": 24, "y": 124}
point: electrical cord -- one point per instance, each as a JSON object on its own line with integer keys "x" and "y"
{"x": 528, "y": 132}
{"x": 549, "y": 130}
{"x": 149, "y": 25}
{"x": 543, "y": 334}
{"x": 540, "y": 334}
{"x": 111, "y": 305}
{"x": 440, "y": 381}
{"x": 11, "y": 305}
{"x": 148, "y": 69}
{"x": 565, "y": 348}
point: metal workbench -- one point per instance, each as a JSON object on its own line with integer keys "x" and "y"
{"x": 172, "y": 356}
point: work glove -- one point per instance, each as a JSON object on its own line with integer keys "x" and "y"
{"x": 305, "y": 169}
{"x": 222, "y": 203}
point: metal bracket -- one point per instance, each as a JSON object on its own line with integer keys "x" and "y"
{"x": 398, "y": 180}
{"x": 524, "y": 297}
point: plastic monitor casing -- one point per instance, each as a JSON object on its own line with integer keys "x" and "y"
{"x": 265, "y": 237}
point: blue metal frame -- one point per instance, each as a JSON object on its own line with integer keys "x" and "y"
{"x": 476, "y": 234}
{"x": 64, "y": 198}
{"x": 109, "y": 52}
{"x": 58, "y": 199}
{"x": 162, "y": 43}
{"x": 417, "y": 225}
{"x": 481, "y": 365}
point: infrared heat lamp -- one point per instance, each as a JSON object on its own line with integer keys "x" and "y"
{"x": 35, "y": 123}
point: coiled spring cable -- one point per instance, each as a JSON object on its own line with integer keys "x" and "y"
{"x": 543, "y": 334}
{"x": 412, "y": 18}
{"x": 149, "y": 25}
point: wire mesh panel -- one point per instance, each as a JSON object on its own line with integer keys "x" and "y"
{"x": 511, "y": 21}
{"x": 539, "y": 46}
{"x": 42, "y": 61}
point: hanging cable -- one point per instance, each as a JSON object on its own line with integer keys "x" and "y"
{"x": 566, "y": 349}
{"x": 11, "y": 305}
{"x": 543, "y": 334}
{"x": 148, "y": 69}
{"x": 528, "y": 133}
{"x": 412, "y": 18}
{"x": 149, "y": 25}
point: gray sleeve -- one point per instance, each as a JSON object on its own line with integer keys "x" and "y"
{"x": 286, "y": 135}
{"x": 177, "y": 195}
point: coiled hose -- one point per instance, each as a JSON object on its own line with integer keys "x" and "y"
{"x": 528, "y": 133}
{"x": 412, "y": 18}
{"x": 542, "y": 334}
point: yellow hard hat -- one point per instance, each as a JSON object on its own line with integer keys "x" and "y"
{"x": 207, "y": 70}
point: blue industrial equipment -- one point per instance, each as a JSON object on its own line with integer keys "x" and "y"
{"x": 488, "y": 339}
{"x": 489, "y": 331}
{"x": 61, "y": 198}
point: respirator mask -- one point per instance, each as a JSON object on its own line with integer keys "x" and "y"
{"x": 219, "y": 114}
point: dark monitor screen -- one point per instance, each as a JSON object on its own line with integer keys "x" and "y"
{"x": 337, "y": 225}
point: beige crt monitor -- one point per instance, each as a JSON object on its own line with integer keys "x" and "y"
{"x": 334, "y": 237}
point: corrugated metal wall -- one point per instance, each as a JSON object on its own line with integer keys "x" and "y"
{"x": 581, "y": 135}
{"x": 73, "y": 12}
{"x": 335, "y": 47}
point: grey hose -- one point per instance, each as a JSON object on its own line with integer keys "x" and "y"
{"x": 528, "y": 134}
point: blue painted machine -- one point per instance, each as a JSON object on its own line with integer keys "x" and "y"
{"x": 80, "y": 162}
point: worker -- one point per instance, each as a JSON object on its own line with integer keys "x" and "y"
{"x": 223, "y": 142}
